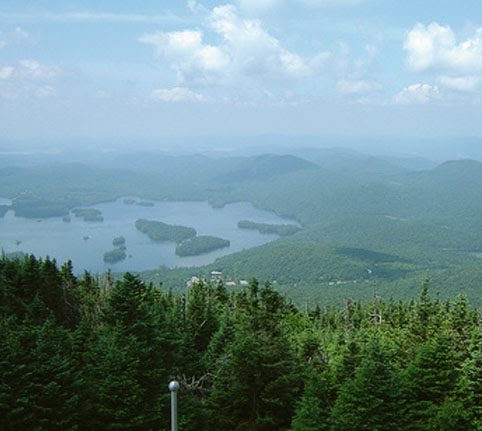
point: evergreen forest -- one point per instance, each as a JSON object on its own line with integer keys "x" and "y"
{"x": 92, "y": 353}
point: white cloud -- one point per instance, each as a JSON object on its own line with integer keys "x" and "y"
{"x": 195, "y": 7}
{"x": 356, "y": 87}
{"x": 28, "y": 79}
{"x": 461, "y": 83}
{"x": 35, "y": 70}
{"x": 186, "y": 52}
{"x": 417, "y": 94}
{"x": 30, "y": 69}
{"x": 6, "y": 72}
{"x": 176, "y": 94}
{"x": 253, "y": 51}
{"x": 436, "y": 47}
{"x": 246, "y": 49}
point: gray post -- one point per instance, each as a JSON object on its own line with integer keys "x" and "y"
{"x": 174, "y": 387}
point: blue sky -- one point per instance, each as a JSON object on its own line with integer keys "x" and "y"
{"x": 147, "y": 69}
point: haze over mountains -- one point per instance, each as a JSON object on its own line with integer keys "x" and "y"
{"x": 379, "y": 220}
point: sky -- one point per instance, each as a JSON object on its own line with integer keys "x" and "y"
{"x": 110, "y": 69}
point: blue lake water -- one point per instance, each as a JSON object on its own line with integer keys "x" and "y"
{"x": 86, "y": 242}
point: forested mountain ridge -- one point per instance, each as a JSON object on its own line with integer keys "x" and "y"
{"x": 429, "y": 220}
{"x": 263, "y": 167}
{"x": 90, "y": 353}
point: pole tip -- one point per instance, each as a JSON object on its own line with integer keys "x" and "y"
{"x": 174, "y": 386}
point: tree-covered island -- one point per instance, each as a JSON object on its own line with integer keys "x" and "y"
{"x": 29, "y": 206}
{"x": 278, "y": 229}
{"x": 119, "y": 241}
{"x": 115, "y": 255}
{"x": 201, "y": 244}
{"x": 88, "y": 214}
{"x": 131, "y": 201}
{"x": 145, "y": 204}
{"x": 159, "y": 231}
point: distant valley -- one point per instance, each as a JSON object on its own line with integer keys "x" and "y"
{"x": 367, "y": 225}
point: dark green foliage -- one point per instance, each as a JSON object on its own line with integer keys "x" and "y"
{"x": 470, "y": 385}
{"x": 200, "y": 244}
{"x": 159, "y": 231}
{"x": 313, "y": 409}
{"x": 89, "y": 353}
{"x": 450, "y": 416}
{"x": 118, "y": 241}
{"x": 430, "y": 380}
{"x": 371, "y": 400}
{"x": 115, "y": 255}
{"x": 35, "y": 207}
{"x": 116, "y": 396}
{"x": 35, "y": 289}
{"x": 145, "y": 204}
{"x": 278, "y": 229}
{"x": 369, "y": 256}
{"x": 257, "y": 376}
{"x": 38, "y": 378}
{"x": 88, "y": 214}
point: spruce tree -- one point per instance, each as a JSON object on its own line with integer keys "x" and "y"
{"x": 312, "y": 411}
{"x": 429, "y": 379}
{"x": 371, "y": 400}
{"x": 257, "y": 380}
{"x": 470, "y": 385}
{"x": 38, "y": 379}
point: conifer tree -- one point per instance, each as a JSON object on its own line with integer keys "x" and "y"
{"x": 312, "y": 412}
{"x": 257, "y": 380}
{"x": 470, "y": 385}
{"x": 429, "y": 380}
{"x": 117, "y": 399}
{"x": 371, "y": 400}
{"x": 38, "y": 379}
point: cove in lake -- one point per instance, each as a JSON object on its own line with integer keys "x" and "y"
{"x": 86, "y": 242}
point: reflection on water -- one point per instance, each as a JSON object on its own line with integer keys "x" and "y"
{"x": 86, "y": 242}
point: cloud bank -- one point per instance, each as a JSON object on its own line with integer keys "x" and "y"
{"x": 436, "y": 47}
{"x": 244, "y": 50}
{"x": 417, "y": 94}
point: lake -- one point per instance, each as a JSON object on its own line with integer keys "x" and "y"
{"x": 86, "y": 242}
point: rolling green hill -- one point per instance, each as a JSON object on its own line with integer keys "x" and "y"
{"x": 365, "y": 221}
{"x": 264, "y": 167}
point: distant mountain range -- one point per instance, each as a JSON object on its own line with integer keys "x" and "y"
{"x": 371, "y": 220}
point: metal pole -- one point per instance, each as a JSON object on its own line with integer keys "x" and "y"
{"x": 174, "y": 387}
